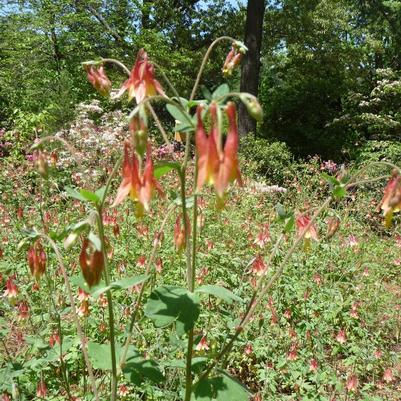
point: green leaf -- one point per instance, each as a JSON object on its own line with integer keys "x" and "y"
{"x": 220, "y": 388}
{"x": 219, "y": 292}
{"x": 178, "y": 114}
{"x": 81, "y": 283}
{"x": 137, "y": 369}
{"x": 165, "y": 167}
{"x": 289, "y": 224}
{"x": 330, "y": 179}
{"x": 221, "y": 91}
{"x": 121, "y": 284}
{"x": 89, "y": 195}
{"x": 100, "y": 192}
{"x": 206, "y": 93}
{"x": 169, "y": 304}
{"x": 339, "y": 191}
{"x": 72, "y": 193}
{"x": 101, "y": 288}
{"x": 100, "y": 355}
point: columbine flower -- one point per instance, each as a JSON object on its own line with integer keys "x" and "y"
{"x": 139, "y": 187}
{"x": 41, "y": 390}
{"x": 217, "y": 165}
{"x": 54, "y": 339}
{"x": 352, "y": 383}
{"x": 259, "y": 266}
{"x": 123, "y": 390}
{"x": 92, "y": 263}
{"x": 341, "y": 337}
{"x": 313, "y": 365}
{"x": 11, "y": 289}
{"x": 263, "y": 236}
{"x": 179, "y": 233}
{"x": 391, "y": 202}
{"x": 302, "y": 222}
{"x": 202, "y": 345}
{"x": 23, "y": 311}
{"x": 141, "y": 82}
{"x": 292, "y": 354}
{"x": 388, "y": 375}
{"x": 82, "y": 295}
{"x": 248, "y": 349}
{"x": 37, "y": 260}
{"x": 98, "y": 78}
{"x": 233, "y": 59}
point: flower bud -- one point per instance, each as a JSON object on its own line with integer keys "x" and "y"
{"x": 91, "y": 262}
{"x": 139, "y": 129}
{"x": 252, "y": 105}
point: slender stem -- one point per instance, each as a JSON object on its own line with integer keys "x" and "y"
{"x": 186, "y": 229}
{"x": 190, "y": 284}
{"x": 204, "y": 61}
{"x": 119, "y": 63}
{"x": 74, "y": 314}
{"x": 108, "y": 183}
{"x": 109, "y": 307}
{"x": 143, "y": 287}
{"x": 171, "y": 86}
{"x": 159, "y": 124}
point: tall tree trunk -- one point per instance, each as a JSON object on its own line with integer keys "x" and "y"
{"x": 251, "y": 63}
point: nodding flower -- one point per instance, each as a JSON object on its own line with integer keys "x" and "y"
{"x": 92, "y": 263}
{"x": 138, "y": 186}
{"x": 141, "y": 82}
{"x": 302, "y": 221}
{"x": 98, "y": 78}
{"x": 391, "y": 201}
{"x": 233, "y": 59}
{"x": 37, "y": 260}
{"x": 217, "y": 163}
{"x": 179, "y": 233}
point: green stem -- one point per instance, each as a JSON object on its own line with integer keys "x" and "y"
{"x": 190, "y": 284}
{"x": 204, "y": 61}
{"x": 74, "y": 314}
{"x": 119, "y": 63}
{"x": 109, "y": 307}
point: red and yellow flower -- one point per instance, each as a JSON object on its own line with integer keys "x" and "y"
{"x": 98, "y": 78}
{"x": 139, "y": 187}
{"x": 391, "y": 201}
{"x": 141, "y": 82}
{"x": 217, "y": 164}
